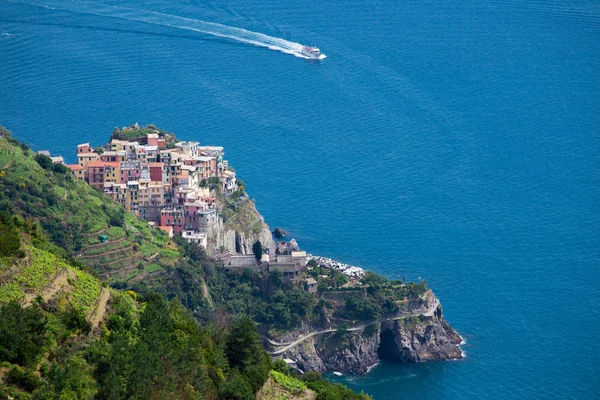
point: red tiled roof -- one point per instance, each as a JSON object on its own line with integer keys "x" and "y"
{"x": 75, "y": 167}
{"x": 96, "y": 164}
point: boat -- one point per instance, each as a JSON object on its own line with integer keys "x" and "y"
{"x": 311, "y": 52}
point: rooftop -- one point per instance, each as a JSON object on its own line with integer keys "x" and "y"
{"x": 203, "y": 158}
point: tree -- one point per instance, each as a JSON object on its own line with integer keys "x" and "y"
{"x": 245, "y": 353}
{"x": 44, "y": 161}
{"x": 236, "y": 388}
{"x": 9, "y": 237}
{"x": 61, "y": 169}
{"x": 257, "y": 250}
{"x": 280, "y": 366}
{"x": 22, "y": 333}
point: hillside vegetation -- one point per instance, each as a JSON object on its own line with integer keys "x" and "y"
{"x": 74, "y": 215}
{"x": 184, "y": 332}
{"x": 52, "y": 344}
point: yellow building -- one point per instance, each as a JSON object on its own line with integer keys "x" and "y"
{"x": 116, "y": 145}
{"x": 84, "y": 159}
{"x": 112, "y": 172}
{"x": 78, "y": 171}
{"x": 119, "y": 192}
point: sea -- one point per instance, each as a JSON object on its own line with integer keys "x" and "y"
{"x": 456, "y": 142}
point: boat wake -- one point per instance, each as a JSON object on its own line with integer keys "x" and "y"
{"x": 175, "y": 21}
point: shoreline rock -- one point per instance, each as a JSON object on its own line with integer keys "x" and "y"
{"x": 279, "y": 233}
{"x": 423, "y": 336}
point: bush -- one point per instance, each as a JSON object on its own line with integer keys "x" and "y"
{"x": 22, "y": 333}
{"x": 294, "y": 386}
{"x": 236, "y": 388}
{"x": 26, "y": 380}
{"x": 44, "y": 161}
{"x": 280, "y": 366}
{"x": 74, "y": 319}
{"x": 371, "y": 330}
{"x": 311, "y": 376}
{"x": 10, "y": 240}
{"x": 61, "y": 169}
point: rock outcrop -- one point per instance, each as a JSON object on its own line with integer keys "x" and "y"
{"x": 279, "y": 233}
{"x": 419, "y": 339}
{"x": 240, "y": 231}
{"x": 421, "y": 336}
{"x": 286, "y": 247}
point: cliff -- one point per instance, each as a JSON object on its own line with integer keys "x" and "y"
{"x": 419, "y": 334}
{"x": 241, "y": 227}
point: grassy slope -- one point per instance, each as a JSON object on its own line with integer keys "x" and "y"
{"x": 283, "y": 387}
{"x": 76, "y": 214}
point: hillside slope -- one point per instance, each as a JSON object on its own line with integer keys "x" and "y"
{"x": 64, "y": 334}
{"x": 75, "y": 216}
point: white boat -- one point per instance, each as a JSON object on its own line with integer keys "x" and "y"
{"x": 311, "y": 52}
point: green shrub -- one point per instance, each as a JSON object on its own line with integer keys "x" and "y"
{"x": 44, "y": 161}
{"x": 24, "y": 379}
{"x": 311, "y": 376}
{"x": 10, "y": 240}
{"x": 293, "y": 385}
{"x": 280, "y": 365}
{"x": 236, "y": 388}
{"x": 22, "y": 333}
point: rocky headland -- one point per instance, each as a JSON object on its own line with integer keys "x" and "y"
{"x": 419, "y": 333}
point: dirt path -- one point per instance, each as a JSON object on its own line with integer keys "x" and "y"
{"x": 95, "y": 246}
{"x": 96, "y": 233}
{"x": 108, "y": 253}
{"x": 120, "y": 271}
{"x": 51, "y": 290}
{"x": 206, "y": 294}
{"x": 429, "y": 313}
{"x": 101, "y": 309}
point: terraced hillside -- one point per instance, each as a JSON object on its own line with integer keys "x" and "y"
{"x": 76, "y": 215}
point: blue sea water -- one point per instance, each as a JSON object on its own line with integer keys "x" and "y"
{"x": 456, "y": 142}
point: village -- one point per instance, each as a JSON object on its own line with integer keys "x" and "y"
{"x": 173, "y": 186}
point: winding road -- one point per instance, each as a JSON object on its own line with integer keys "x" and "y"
{"x": 286, "y": 346}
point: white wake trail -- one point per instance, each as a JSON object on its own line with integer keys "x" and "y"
{"x": 174, "y": 21}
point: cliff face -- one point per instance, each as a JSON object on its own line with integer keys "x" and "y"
{"x": 423, "y": 336}
{"x": 241, "y": 230}
{"x": 427, "y": 338}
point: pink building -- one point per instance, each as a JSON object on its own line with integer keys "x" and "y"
{"x": 96, "y": 174}
{"x": 130, "y": 171}
{"x": 84, "y": 148}
{"x": 153, "y": 139}
{"x": 174, "y": 218}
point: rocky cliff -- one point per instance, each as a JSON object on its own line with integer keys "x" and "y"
{"x": 243, "y": 225}
{"x": 421, "y": 335}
